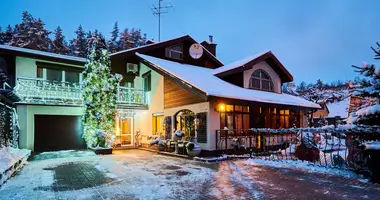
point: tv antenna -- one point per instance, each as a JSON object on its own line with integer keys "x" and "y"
{"x": 159, "y": 10}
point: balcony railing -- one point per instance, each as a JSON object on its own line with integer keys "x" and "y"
{"x": 39, "y": 91}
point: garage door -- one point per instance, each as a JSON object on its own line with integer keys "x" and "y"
{"x": 57, "y": 132}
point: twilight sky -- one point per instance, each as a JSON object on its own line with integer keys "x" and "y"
{"x": 313, "y": 40}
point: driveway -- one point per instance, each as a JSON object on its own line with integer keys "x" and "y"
{"x": 135, "y": 174}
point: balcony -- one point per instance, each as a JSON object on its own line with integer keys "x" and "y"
{"x": 39, "y": 91}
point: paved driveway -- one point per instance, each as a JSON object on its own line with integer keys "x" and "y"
{"x": 135, "y": 174}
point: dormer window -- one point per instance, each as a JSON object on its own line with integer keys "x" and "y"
{"x": 175, "y": 52}
{"x": 260, "y": 80}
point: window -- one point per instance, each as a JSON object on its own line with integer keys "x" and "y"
{"x": 236, "y": 117}
{"x": 72, "y": 77}
{"x": 147, "y": 81}
{"x": 261, "y": 80}
{"x": 157, "y": 124}
{"x": 40, "y": 72}
{"x": 284, "y": 119}
{"x": 54, "y": 75}
{"x": 175, "y": 52}
{"x": 184, "y": 121}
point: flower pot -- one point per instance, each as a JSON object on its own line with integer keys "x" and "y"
{"x": 102, "y": 150}
{"x": 161, "y": 147}
{"x": 194, "y": 152}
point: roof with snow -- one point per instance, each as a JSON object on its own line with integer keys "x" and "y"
{"x": 339, "y": 108}
{"x": 204, "y": 80}
{"x": 248, "y": 62}
{"x": 147, "y": 47}
{"x": 42, "y": 55}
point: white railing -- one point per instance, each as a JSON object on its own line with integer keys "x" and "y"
{"x": 39, "y": 91}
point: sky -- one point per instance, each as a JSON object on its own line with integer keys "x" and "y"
{"x": 312, "y": 39}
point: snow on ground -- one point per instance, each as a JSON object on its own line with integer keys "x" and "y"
{"x": 63, "y": 154}
{"x": 375, "y": 145}
{"x": 305, "y": 166}
{"x": 136, "y": 174}
{"x": 11, "y": 159}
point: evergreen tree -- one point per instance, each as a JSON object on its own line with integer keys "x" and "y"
{"x": 78, "y": 45}
{"x": 99, "y": 96}
{"x": 8, "y": 34}
{"x": 113, "y": 43}
{"x": 131, "y": 39}
{"x": 31, "y": 33}
{"x": 319, "y": 84}
{"x": 59, "y": 44}
{"x": 1, "y": 36}
{"x": 302, "y": 86}
{"x": 369, "y": 113}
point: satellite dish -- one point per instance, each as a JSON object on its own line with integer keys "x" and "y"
{"x": 196, "y": 51}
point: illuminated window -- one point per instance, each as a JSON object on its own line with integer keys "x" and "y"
{"x": 236, "y": 117}
{"x": 157, "y": 125}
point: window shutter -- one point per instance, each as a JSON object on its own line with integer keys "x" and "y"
{"x": 168, "y": 127}
{"x": 202, "y": 127}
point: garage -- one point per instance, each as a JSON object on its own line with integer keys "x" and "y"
{"x": 57, "y": 132}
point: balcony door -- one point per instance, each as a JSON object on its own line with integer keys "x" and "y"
{"x": 126, "y": 136}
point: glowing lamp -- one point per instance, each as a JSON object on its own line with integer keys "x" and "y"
{"x": 221, "y": 107}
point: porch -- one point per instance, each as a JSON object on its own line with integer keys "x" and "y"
{"x": 45, "y": 92}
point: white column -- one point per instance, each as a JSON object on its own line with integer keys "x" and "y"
{"x": 63, "y": 76}
{"x": 44, "y": 73}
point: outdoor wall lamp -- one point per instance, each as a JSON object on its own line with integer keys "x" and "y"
{"x": 221, "y": 107}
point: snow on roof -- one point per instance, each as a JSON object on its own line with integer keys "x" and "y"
{"x": 155, "y": 43}
{"x": 238, "y": 63}
{"x": 204, "y": 80}
{"x": 339, "y": 108}
{"x": 42, "y": 53}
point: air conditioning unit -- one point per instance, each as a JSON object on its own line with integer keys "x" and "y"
{"x": 131, "y": 67}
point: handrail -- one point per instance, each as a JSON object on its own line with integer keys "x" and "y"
{"x": 37, "y": 90}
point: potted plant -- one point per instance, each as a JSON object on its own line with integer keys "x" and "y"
{"x": 101, "y": 142}
{"x": 193, "y": 149}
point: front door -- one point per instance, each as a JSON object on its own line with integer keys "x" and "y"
{"x": 126, "y": 131}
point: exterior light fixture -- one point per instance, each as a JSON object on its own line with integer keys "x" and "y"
{"x": 221, "y": 107}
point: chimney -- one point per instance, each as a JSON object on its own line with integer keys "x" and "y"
{"x": 210, "y": 45}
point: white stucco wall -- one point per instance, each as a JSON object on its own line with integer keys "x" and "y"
{"x": 143, "y": 119}
{"x": 264, "y": 66}
{"x": 196, "y": 108}
{"x": 26, "y": 119}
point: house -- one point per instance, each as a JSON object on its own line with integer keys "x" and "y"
{"x": 164, "y": 88}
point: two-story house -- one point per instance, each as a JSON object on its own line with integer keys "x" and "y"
{"x": 164, "y": 88}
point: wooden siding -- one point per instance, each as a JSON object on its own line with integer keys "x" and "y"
{"x": 175, "y": 95}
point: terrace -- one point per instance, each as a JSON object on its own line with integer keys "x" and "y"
{"x": 45, "y": 92}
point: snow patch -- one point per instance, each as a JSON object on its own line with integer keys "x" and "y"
{"x": 373, "y": 145}
{"x": 11, "y": 159}
{"x": 305, "y": 166}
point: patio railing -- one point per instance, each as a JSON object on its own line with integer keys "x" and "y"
{"x": 39, "y": 91}
{"x": 331, "y": 147}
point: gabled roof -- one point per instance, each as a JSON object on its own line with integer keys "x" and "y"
{"x": 248, "y": 62}
{"x": 18, "y": 51}
{"x": 148, "y": 47}
{"x": 202, "y": 79}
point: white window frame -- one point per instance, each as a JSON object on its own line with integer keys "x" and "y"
{"x": 170, "y": 50}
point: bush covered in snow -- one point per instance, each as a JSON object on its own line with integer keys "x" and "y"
{"x": 11, "y": 159}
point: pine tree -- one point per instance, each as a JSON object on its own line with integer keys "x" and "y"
{"x": 59, "y": 44}
{"x": 1, "y": 36}
{"x": 31, "y": 33}
{"x": 99, "y": 96}
{"x": 369, "y": 113}
{"x": 8, "y": 34}
{"x": 131, "y": 39}
{"x": 78, "y": 45}
{"x": 302, "y": 86}
{"x": 113, "y": 43}
{"x": 319, "y": 84}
